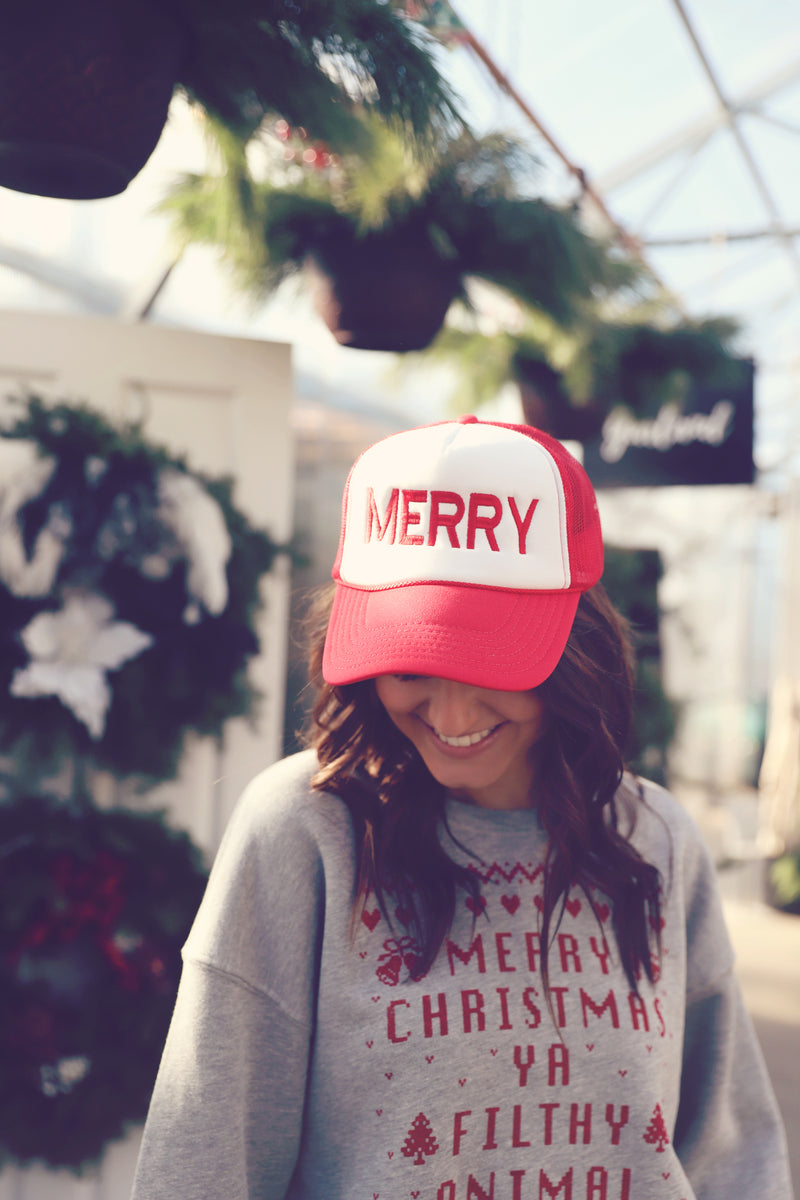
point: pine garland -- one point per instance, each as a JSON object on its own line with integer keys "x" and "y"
{"x": 94, "y": 908}
{"x": 313, "y": 62}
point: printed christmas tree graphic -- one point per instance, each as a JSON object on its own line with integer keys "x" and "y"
{"x": 656, "y": 1132}
{"x": 420, "y": 1140}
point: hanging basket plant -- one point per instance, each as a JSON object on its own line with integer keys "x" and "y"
{"x": 84, "y": 91}
{"x": 129, "y": 587}
{"x": 569, "y": 377}
{"x": 85, "y": 86}
{"x": 382, "y": 291}
{"x": 94, "y": 908}
{"x": 396, "y": 237}
{"x": 546, "y": 403}
{"x": 632, "y": 360}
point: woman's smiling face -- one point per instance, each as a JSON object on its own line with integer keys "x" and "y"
{"x": 475, "y": 741}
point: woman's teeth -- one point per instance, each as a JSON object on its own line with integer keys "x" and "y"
{"x": 466, "y": 739}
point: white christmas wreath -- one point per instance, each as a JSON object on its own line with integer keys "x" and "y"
{"x": 128, "y": 590}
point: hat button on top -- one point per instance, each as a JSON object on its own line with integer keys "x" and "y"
{"x": 469, "y": 419}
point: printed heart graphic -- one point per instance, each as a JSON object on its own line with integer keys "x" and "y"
{"x": 379, "y": 1111}
{"x": 590, "y": 1046}
{"x": 510, "y": 903}
{"x": 371, "y": 919}
{"x": 414, "y": 1195}
{"x": 375, "y": 999}
{"x": 573, "y": 907}
{"x": 603, "y": 911}
{"x": 493, "y": 1053}
{"x": 375, "y": 1195}
{"x": 362, "y": 954}
{"x": 428, "y": 1058}
{"x": 476, "y": 906}
{"x": 649, "y": 1049}
{"x": 665, "y": 1174}
{"x": 461, "y": 1082}
{"x": 370, "y": 1045}
{"x": 622, "y": 1073}
{"x": 537, "y": 900}
{"x": 391, "y": 1153}
{"x": 404, "y": 916}
{"x": 388, "y": 1074}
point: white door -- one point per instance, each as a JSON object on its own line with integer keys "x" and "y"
{"x": 224, "y": 404}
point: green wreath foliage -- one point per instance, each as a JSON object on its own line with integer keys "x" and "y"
{"x": 94, "y": 908}
{"x": 193, "y": 674}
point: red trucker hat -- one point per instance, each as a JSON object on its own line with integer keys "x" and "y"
{"x": 464, "y": 548}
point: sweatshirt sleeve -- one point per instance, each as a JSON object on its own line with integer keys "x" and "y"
{"x": 728, "y": 1134}
{"x": 225, "y": 1118}
{"x": 226, "y": 1112}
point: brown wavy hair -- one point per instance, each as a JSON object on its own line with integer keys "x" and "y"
{"x": 586, "y": 803}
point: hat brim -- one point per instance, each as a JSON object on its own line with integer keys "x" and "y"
{"x": 490, "y": 638}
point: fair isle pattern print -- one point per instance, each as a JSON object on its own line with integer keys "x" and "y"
{"x": 554, "y": 1101}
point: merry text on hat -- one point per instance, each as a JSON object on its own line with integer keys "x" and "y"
{"x": 415, "y": 517}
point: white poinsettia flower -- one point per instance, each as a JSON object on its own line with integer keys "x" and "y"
{"x": 198, "y": 526}
{"x": 24, "y": 474}
{"x": 70, "y": 652}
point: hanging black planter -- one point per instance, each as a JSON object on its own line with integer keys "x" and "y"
{"x": 85, "y": 86}
{"x": 383, "y": 291}
{"x": 546, "y": 405}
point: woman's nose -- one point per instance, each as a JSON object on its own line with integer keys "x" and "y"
{"x": 452, "y": 707}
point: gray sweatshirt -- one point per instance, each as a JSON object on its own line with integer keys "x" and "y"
{"x": 302, "y": 1064}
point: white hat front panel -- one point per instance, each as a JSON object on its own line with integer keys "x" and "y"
{"x": 456, "y": 503}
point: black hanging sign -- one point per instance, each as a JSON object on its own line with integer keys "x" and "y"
{"x": 706, "y": 439}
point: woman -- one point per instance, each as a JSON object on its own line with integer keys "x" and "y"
{"x": 452, "y": 951}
